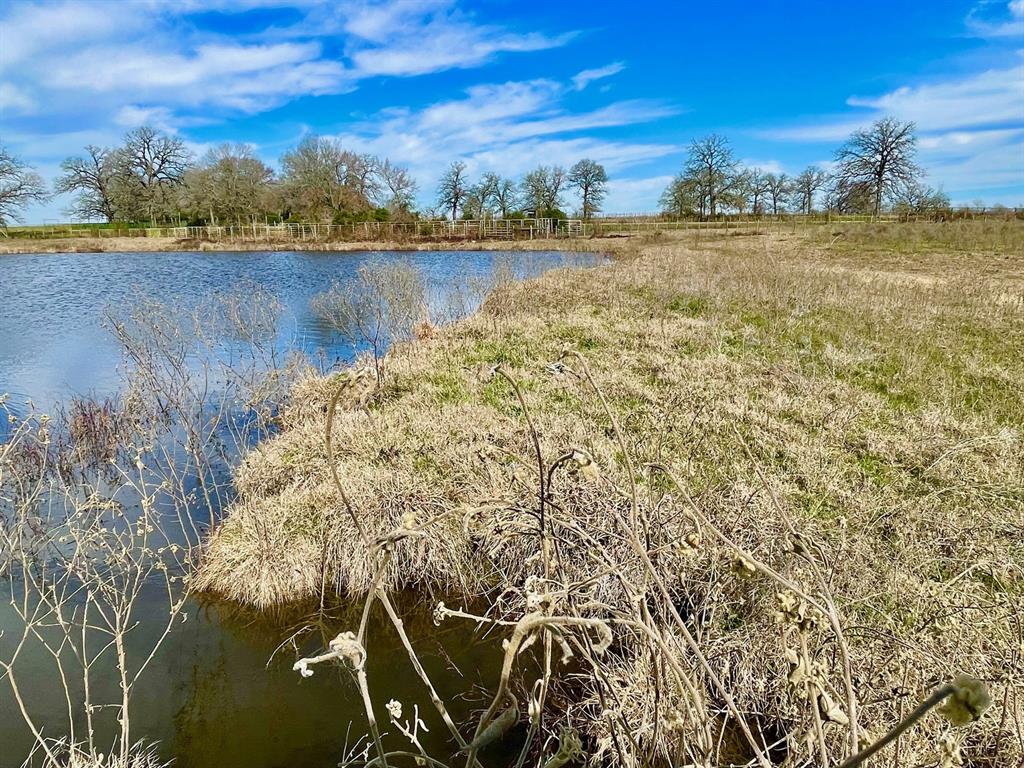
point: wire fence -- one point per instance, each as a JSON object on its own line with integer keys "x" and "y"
{"x": 478, "y": 229}
{"x": 469, "y": 229}
{"x": 960, "y": 211}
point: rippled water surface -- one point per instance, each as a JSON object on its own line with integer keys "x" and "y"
{"x": 216, "y": 694}
{"x": 52, "y": 306}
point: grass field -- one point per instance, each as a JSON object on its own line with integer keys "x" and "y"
{"x": 784, "y": 473}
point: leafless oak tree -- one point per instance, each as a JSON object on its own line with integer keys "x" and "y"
{"x": 712, "y": 165}
{"x": 500, "y": 193}
{"x": 807, "y": 185}
{"x": 20, "y": 185}
{"x": 324, "y": 180}
{"x": 756, "y": 189}
{"x": 230, "y": 184}
{"x": 156, "y": 164}
{"x": 94, "y": 178}
{"x": 779, "y": 187}
{"x": 453, "y": 188}
{"x": 880, "y": 158}
{"x": 682, "y": 197}
{"x": 919, "y": 199}
{"x": 400, "y": 186}
{"x": 542, "y": 188}
{"x": 590, "y": 181}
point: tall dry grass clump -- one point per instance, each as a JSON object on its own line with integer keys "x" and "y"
{"x": 752, "y": 503}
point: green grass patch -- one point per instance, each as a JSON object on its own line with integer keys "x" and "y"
{"x": 690, "y": 306}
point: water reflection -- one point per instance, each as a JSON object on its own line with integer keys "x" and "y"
{"x": 52, "y": 306}
{"x": 221, "y": 691}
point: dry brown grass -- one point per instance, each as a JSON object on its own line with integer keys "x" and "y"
{"x": 878, "y": 398}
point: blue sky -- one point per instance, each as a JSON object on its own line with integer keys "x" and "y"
{"x": 510, "y": 85}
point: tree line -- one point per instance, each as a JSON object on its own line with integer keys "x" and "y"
{"x": 874, "y": 170}
{"x": 541, "y": 192}
{"x": 152, "y": 177}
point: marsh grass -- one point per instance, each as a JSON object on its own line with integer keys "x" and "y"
{"x": 384, "y": 304}
{"x": 785, "y": 478}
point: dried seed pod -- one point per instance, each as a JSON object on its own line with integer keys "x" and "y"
{"x": 968, "y": 701}
{"x": 570, "y": 749}
{"x": 830, "y": 710}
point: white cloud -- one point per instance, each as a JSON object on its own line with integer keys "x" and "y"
{"x": 501, "y": 113}
{"x": 415, "y": 37}
{"x": 768, "y": 166}
{"x": 31, "y": 29}
{"x": 508, "y": 128}
{"x": 148, "y": 54}
{"x": 587, "y": 76}
{"x": 974, "y": 160}
{"x": 987, "y": 98}
{"x": 132, "y": 116}
{"x": 994, "y": 20}
{"x": 246, "y": 78}
{"x": 435, "y": 51}
{"x": 14, "y": 100}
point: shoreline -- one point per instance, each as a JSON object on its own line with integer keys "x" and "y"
{"x": 173, "y": 245}
{"x": 727, "y": 364}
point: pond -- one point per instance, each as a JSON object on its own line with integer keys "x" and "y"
{"x": 52, "y": 306}
{"x": 221, "y": 690}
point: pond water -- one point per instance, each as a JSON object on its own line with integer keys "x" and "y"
{"x": 52, "y": 306}
{"x": 217, "y": 693}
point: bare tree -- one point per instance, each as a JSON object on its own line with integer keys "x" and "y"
{"x": 362, "y": 174}
{"x": 846, "y": 196}
{"x": 779, "y": 187}
{"x": 500, "y": 193}
{"x": 453, "y": 188}
{"x": 881, "y": 157}
{"x": 918, "y": 199}
{"x": 400, "y": 186}
{"x": 156, "y": 164}
{"x": 682, "y": 197}
{"x": 712, "y": 165}
{"x": 532, "y": 190}
{"x": 590, "y": 181}
{"x": 504, "y": 195}
{"x": 488, "y": 190}
{"x": 758, "y": 188}
{"x": 475, "y": 204}
{"x": 95, "y": 179}
{"x": 324, "y": 181}
{"x": 556, "y": 179}
{"x": 230, "y": 184}
{"x": 806, "y": 186}
{"x": 20, "y": 185}
{"x": 542, "y": 189}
